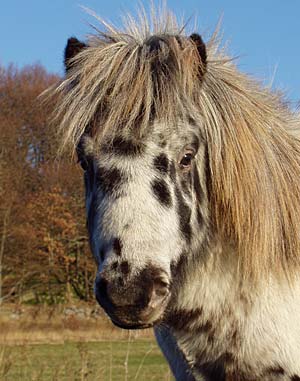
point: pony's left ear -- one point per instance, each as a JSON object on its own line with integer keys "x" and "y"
{"x": 201, "y": 48}
{"x": 73, "y": 47}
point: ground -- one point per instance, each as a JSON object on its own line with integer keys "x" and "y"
{"x": 74, "y": 343}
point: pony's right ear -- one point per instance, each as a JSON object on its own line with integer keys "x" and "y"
{"x": 201, "y": 48}
{"x": 73, "y": 47}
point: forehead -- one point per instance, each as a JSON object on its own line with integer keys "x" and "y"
{"x": 159, "y": 135}
{"x": 182, "y": 133}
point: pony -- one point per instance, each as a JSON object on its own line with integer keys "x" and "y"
{"x": 192, "y": 178}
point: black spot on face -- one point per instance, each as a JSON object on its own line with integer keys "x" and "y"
{"x": 295, "y": 378}
{"x": 161, "y": 192}
{"x": 117, "y": 247}
{"x": 184, "y": 214}
{"x": 125, "y": 267}
{"x": 109, "y": 179}
{"x": 114, "y": 266}
{"x": 161, "y": 164}
{"x": 123, "y": 147}
{"x": 275, "y": 370}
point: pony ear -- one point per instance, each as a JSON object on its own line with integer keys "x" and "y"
{"x": 73, "y": 47}
{"x": 201, "y": 48}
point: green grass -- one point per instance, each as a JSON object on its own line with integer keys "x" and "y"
{"x": 108, "y": 361}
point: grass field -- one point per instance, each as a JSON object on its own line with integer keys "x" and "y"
{"x": 64, "y": 343}
{"x": 128, "y": 360}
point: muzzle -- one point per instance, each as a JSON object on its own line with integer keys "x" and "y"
{"x": 137, "y": 302}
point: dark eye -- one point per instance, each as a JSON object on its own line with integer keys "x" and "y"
{"x": 186, "y": 160}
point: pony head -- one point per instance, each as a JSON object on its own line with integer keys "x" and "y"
{"x": 138, "y": 150}
{"x": 177, "y": 153}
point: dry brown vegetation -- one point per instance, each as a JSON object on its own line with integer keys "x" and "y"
{"x": 20, "y": 325}
{"x": 44, "y": 254}
{"x": 74, "y": 343}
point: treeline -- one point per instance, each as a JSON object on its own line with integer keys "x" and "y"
{"x": 44, "y": 254}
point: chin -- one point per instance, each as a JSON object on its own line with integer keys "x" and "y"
{"x": 129, "y": 322}
{"x": 132, "y": 326}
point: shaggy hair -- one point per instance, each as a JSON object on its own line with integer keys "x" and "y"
{"x": 120, "y": 82}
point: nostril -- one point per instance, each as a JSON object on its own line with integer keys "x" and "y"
{"x": 117, "y": 246}
{"x": 158, "y": 297}
{"x": 160, "y": 289}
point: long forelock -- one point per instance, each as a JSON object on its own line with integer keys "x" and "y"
{"x": 125, "y": 79}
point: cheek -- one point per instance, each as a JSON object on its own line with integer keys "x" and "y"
{"x": 186, "y": 184}
{"x": 161, "y": 192}
{"x": 89, "y": 194}
{"x": 148, "y": 230}
{"x": 184, "y": 215}
{"x": 91, "y": 211}
{"x": 91, "y": 207}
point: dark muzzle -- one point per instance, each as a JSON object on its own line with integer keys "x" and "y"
{"x": 138, "y": 302}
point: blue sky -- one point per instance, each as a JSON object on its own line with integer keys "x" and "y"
{"x": 265, "y": 34}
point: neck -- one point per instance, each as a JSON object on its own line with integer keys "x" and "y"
{"x": 211, "y": 280}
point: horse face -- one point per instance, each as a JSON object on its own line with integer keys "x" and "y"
{"x": 144, "y": 215}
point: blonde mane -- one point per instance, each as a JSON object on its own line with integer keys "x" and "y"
{"x": 254, "y": 157}
{"x": 254, "y": 154}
